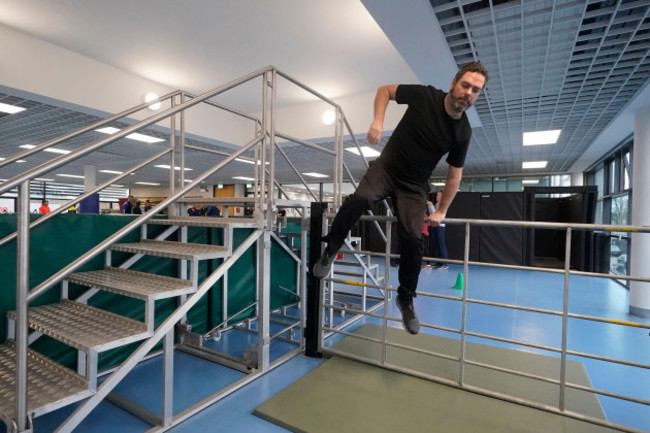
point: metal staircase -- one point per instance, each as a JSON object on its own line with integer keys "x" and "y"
{"x": 31, "y": 384}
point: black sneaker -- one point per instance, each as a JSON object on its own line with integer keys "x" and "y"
{"x": 409, "y": 318}
{"x": 323, "y": 265}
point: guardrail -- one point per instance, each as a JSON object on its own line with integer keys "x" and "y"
{"x": 318, "y": 302}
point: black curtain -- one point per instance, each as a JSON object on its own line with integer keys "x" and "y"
{"x": 502, "y": 245}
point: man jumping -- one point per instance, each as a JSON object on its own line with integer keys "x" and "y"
{"x": 434, "y": 124}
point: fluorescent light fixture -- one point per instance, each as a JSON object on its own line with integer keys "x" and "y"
{"x": 147, "y": 183}
{"x": 541, "y": 137}
{"x": 329, "y": 117}
{"x": 11, "y": 109}
{"x": 150, "y": 97}
{"x": 316, "y": 175}
{"x": 189, "y": 180}
{"x": 111, "y": 171}
{"x": 76, "y": 176}
{"x": 534, "y": 164}
{"x": 117, "y": 185}
{"x": 438, "y": 184}
{"x": 20, "y": 161}
{"x": 177, "y": 168}
{"x": 43, "y": 179}
{"x": 243, "y": 178}
{"x": 367, "y": 151}
{"x": 49, "y": 149}
{"x": 530, "y": 181}
{"x": 134, "y": 136}
{"x": 2, "y": 159}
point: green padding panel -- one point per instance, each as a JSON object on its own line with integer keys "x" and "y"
{"x": 348, "y": 396}
{"x": 64, "y": 238}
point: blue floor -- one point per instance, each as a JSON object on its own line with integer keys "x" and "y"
{"x": 196, "y": 379}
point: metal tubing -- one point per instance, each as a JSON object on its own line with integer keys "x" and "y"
{"x": 56, "y": 278}
{"x": 463, "y": 323}
{"x": 85, "y": 195}
{"x": 565, "y": 316}
{"x": 168, "y": 378}
{"x": 295, "y": 170}
{"x": 96, "y": 145}
{"x": 304, "y": 142}
{"x": 22, "y": 288}
{"x": 107, "y": 386}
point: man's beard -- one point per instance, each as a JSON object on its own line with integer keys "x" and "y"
{"x": 459, "y": 104}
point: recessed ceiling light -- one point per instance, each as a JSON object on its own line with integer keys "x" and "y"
{"x": 534, "y": 164}
{"x": 76, "y": 176}
{"x": 530, "y": 181}
{"x": 438, "y": 184}
{"x": 49, "y": 149}
{"x": 367, "y": 151}
{"x": 11, "y": 109}
{"x": 541, "y": 137}
{"x": 177, "y": 168}
{"x": 243, "y": 178}
{"x": 134, "y": 136}
{"x": 329, "y": 117}
{"x": 111, "y": 171}
{"x": 315, "y": 175}
{"x": 147, "y": 183}
{"x": 151, "y": 97}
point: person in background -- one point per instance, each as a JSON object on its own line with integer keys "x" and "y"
{"x": 147, "y": 205}
{"x": 136, "y": 209}
{"x": 45, "y": 208}
{"x": 128, "y": 204}
{"x": 212, "y": 211}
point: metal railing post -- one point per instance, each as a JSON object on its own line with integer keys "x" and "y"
{"x": 22, "y": 287}
{"x": 565, "y": 316}
{"x": 463, "y": 323}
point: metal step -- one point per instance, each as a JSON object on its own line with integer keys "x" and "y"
{"x": 49, "y": 385}
{"x": 84, "y": 327}
{"x": 208, "y": 221}
{"x": 139, "y": 285}
{"x": 173, "y": 250}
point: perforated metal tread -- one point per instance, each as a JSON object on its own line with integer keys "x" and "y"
{"x": 49, "y": 385}
{"x": 84, "y": 327}
{"x": 139, "y": 285}
{"x": 174, "y": 250}
{"x": 207, "y": 221}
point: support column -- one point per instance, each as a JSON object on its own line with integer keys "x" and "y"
{"x": 577, "y": 179}
{"x": 90, "y": 177}
{"x": 640, "y": 205}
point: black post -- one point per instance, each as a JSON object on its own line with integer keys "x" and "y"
{"x": 314, "y": 292}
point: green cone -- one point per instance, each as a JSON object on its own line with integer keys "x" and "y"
{"x": 459, "y": 282}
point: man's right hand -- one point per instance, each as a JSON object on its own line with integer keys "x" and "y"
{"x": 375, "y": 132}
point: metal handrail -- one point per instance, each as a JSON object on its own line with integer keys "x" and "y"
{"x": 563, "y": 350}
{"x": 155, "y": 118}
{"x": 265, "y": 134}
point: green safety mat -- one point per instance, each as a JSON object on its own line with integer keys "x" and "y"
{"x": 342, "y": 395}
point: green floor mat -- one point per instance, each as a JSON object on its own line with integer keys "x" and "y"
{"x": 347, "y": 396}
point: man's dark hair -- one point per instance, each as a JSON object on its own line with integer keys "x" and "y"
{"x": 472, "y": 67}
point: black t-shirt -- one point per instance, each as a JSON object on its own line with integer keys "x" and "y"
{"x": 424, "y": 134}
